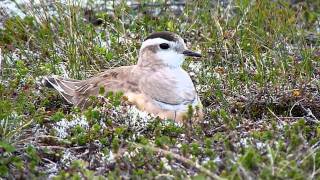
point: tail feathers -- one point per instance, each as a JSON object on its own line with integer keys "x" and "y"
{"x": 65, "y": 87}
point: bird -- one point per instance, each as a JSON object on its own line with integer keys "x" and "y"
{"x": 156, "y": 84}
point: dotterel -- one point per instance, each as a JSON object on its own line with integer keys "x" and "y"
{"x": 157, "y": 84}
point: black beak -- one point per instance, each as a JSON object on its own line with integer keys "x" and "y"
{"x": 191, "y": 53}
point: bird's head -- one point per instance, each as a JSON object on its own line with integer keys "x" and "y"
{"x": 165, "y": 49}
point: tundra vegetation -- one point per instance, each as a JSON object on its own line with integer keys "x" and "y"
{"x": 258, "y": 80}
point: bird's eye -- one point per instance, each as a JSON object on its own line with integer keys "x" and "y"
{"x": 164, "y": 46}
{"x": 185, "y": 41}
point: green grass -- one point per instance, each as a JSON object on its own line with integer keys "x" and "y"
{"x": 258, "y": 81}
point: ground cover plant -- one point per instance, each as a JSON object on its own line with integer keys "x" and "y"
{"x": 258, "y": 81}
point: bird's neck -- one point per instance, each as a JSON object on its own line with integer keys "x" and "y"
{"x": 169, "y": 59}
{"x": 153, "y": 67}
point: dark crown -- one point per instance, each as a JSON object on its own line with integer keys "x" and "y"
{"x": 164, "y": 35}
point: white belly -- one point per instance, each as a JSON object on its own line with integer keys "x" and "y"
{"x": 183, "y": 107}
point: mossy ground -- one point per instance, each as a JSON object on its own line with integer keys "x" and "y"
{"x": 258, "y": 81}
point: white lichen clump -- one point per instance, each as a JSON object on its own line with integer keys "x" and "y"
{"x": 62, "y": 127}
{"x": 137, "y": 120}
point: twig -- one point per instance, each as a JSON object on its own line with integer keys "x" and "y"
{"x": 316, "y": 145}
{"x": 159, "y": 176}
{"x": 280, "y": 118}
{"x": 310, "y": 116}
{"x": 315, "y": 173}
{"x": 41, "y": 136}
{"x": 158, "y": 4}
{"x": 13, "y": 133}
{"x": 48, "y": 160}
{"x": 294, "y": 105}
{"x": 314, "y": 167}
{"x": 313, "y": 149}
{"x": 274, "y": 114}
{"x": 51, "y": 147}
{"x": 181, "y": 158}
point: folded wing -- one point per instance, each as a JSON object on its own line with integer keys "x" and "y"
{"x": 77, "y": 91}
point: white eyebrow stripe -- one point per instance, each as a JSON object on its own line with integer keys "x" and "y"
{"x": 154, "y": 42}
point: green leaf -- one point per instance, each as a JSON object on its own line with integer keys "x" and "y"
{"x": 4, "y": 171}
{"x": 7, "y": 147}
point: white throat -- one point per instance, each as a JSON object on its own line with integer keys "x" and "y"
{"x": 170, "y": 58}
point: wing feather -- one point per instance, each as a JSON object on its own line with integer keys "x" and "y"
{"x": 77, "y": 92}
